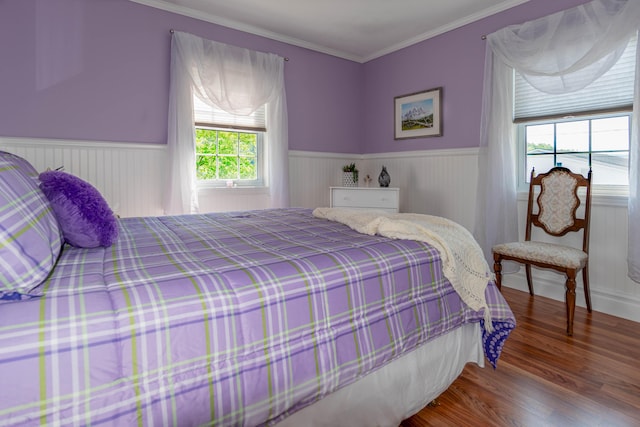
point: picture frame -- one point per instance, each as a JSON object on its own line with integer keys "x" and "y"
{"x": 419, "y": 114}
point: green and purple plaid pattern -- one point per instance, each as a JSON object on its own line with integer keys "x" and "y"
{"x": 221, "y": 319}
{"x": 30, "y": 239}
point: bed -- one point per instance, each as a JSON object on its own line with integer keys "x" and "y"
{"x": 275, "y": 317}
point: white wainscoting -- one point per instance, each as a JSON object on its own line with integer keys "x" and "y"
{"x": 312, "y": 173}
{"x": 436, "y": 182}
{"x": 126, "y": 174}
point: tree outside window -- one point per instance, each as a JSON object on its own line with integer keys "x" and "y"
{"x": 223, "y": 155}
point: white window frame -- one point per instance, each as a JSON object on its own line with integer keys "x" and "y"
{"x": 259, "y": 182}
{"x": 616, "y": 192}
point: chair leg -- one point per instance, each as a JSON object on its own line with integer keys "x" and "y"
{"x": 585, "y": 283}
{"x": 497, "y": 269}
{"x": 527, "y": 268}
{"x": 570, "y": 299}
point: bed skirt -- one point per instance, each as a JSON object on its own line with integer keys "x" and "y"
{"x": 401, "y": 388}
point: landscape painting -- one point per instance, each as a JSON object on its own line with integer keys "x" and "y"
{"x": 418, "y": 115}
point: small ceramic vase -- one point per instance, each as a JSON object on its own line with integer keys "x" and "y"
{"x": 384, "y": 179}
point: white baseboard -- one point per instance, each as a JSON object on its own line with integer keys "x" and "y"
{"x": 624, "y": 306}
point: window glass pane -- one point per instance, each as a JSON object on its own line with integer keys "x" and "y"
{"x": 572, "y": 136}
{"x": 206, "y": 141}
{"x": 610, "y": 168}
{"x": 577, "y": 162}
{"x": 248, "y": 144}
{"x": 205, "y": 153}
{"x": 541, "y": 163}
{"x": 205, "y": 167}
{"x": 228, "y": 167}
{"x": 539, "y": 138}
{"x": 223, "y": 155}
{"x": 248, "y": 168}
{"x": 607, "y": 137}
{"x": 227, "y": 142}
{"x": 611, "y": 133}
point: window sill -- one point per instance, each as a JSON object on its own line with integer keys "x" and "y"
{"x": 244, "y": 190}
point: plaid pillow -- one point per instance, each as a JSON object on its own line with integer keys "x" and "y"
{"x": 30, "y": 238}
{"x": 22, "y": 164}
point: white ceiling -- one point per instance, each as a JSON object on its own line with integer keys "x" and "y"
{"x": 358, "y": 30}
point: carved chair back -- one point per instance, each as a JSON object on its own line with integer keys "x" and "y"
{"x": 557, "y": 203}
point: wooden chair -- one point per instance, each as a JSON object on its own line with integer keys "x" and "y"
{"x": 556, "y": 213}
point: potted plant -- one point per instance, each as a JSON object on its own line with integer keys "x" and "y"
{"x": 350, "y": 175}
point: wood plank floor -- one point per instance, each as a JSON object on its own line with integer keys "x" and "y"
{"x": 545, "y": 378}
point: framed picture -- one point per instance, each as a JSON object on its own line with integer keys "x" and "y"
{"x": 418, "y": 115}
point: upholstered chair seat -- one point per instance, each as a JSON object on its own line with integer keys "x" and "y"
{"x": 546, "y": 253}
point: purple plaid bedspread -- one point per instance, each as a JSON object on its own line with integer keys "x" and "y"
{"x": 225, "y": 319}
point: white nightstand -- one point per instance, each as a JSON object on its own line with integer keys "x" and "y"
{"x": 381, "y": 198}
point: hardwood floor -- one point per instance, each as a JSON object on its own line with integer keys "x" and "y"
{"x": 545, "y": 378}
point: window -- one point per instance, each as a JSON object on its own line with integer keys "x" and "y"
{"x": 589, "y": 128}
{"x": 229, "y": 148}
{"x": 599, "y": 142}
{"x": 228, "y": 155}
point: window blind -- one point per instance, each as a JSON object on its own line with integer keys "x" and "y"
{"x": 205, "y": 115}
{"x": 612, "y": 91}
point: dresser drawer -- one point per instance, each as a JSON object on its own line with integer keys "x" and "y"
{"x": 365, "y": 198}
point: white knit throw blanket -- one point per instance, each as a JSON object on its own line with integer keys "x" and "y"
{"x": 462, "y": 259}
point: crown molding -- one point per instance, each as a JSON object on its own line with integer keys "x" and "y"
{"x": 236, "y": 25}
{"x": 445, "y": 28}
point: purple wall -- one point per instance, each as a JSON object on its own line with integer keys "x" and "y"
{"x": 99, "y": 70}
{"x": 454, "y": 61}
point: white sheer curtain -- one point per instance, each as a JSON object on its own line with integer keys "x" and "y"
{"x": 558, "y": 53}
{"x": 238, "y": 81}
{"x": 633, "y": 255}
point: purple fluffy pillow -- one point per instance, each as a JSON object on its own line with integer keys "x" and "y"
{"x": 82, "y": 213}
